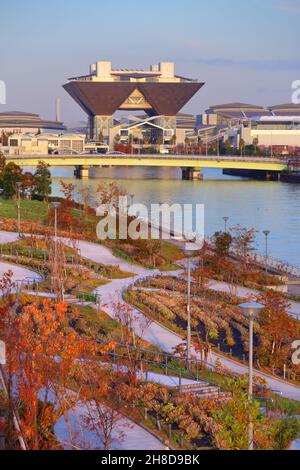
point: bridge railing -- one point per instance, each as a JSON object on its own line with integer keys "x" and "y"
{"x": 219, "y": 158}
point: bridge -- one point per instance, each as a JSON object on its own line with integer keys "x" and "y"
{"x": 191, "y": 165}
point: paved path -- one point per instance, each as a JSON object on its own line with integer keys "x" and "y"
{"x": 19, "y": 274}
{"x": 244, "y": 292}
{"x": 167, "y": 340}
{"x": 126, "y": 434}
{"x": 101, "y": 254}
{"x": 295, "y": 445}
{"x": 154, "y": 333}
{"x": 8, "y": 237}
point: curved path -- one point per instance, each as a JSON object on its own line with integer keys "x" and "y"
{"x": 154, "y": 333}
{"x": 244, "y": 292}
{"x": 19, "y": 273}
{"x": 126, "y": 435}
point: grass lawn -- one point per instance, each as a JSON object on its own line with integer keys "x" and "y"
{"x": 171, "y": 252}
{"x": 33, "y": 211}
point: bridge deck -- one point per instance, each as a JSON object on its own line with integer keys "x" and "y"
{"x": 185, "y": 161}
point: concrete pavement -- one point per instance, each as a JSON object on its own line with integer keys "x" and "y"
{"x": 19, "y": 273}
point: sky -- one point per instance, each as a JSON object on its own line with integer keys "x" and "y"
{"x": 245, "y": 50}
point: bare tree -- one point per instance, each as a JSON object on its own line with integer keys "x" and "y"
{"x": 102, "y": 405}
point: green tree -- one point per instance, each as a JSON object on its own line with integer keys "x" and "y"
{"x": 255, "y": 144}
{"x": 43, "y": 180}
{"x": 285, "y": 430}
{"x": 11, "y": 174}
{"x": 242, "y": 147}
{"x": 28, "y": 184}
{"x": 228, "y": 147}
{"x": 232, "y": 421}
{"x": 2, "y": 166}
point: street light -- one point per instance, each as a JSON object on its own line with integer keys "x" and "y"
{"x": 218, "y": 144}
{"x": 2, "y": 353}
{"x": 191, "y": 247}
{"x": 18, "y": 184}
{"x": 56, "y": 206}
{"x": 225, "y": 223}
{"x": 251, "y": 311}
{"x": 266, "y": 234}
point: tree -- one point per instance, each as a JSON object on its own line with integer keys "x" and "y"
{"x": 28, "y": 184}
{"x": 242, "y": 146}
{"x": 102, "y": 404}
{"x": 86, "y": 196}
{"x": 172, "y": 141}
{"x": 2, "y": 166}
{"x": 109, "y": 194}
{"x": 222, "y": 241}
{"x": 67, "y": 189}
{"x": 43, "y": 180}
{"x": 233, "y": 418}
{"x": 277, "y": 331}
{"x": 255, "y": 144}
{"x": 43, "y": 359}
{"x": 228, "y": 147}
{"x": 11, "y": 175}
{"x": 243, "y": 240}
{"x": 152, "y": 248}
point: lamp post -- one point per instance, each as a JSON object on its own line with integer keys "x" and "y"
{"x": 2, "y": 353}
{"x": 55, "y": 276}
{"x": 18, "y": 184}
{"x": 191, "y": 247}
{"x": 250, "y": 310}
{"x": 56, "y": 206}
{"x": 266, "y": 234}
{"x": 225, "y": 223}
{"x": 131, "y": 199}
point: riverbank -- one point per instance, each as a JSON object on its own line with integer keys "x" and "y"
{"x": 263, "y": 205}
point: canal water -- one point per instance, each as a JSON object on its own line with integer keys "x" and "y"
{"x": 263, "y": 205}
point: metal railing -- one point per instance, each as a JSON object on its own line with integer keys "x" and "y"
{"x": 187, "y": 365}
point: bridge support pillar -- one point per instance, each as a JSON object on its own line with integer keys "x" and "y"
{"x": 82, "y": 171}
{"x": 192, "y": 174}
{"x": 196, "y": 174}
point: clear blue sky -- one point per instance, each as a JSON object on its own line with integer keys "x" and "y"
{"x": 244, "y": 50}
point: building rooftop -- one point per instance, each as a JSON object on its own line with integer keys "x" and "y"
{"x": 237, "y": 106}
{"x": 286, "y": 107}
{"x": 102, "y": 71}
{"x": 19, "y": 119}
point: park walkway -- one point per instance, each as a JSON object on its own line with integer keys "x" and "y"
{"x": 19, "y": 273}
{"x": 156, "y": 334}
